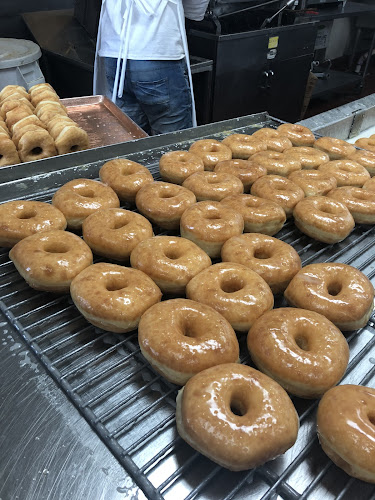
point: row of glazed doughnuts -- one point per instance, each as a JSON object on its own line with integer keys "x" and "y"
{"x": 30, "y": 122}
{"x": 167, "y": 327}
{"x": 286, "y": 422}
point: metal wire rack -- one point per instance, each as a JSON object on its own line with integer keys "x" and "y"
{"x": 132, "y": 409}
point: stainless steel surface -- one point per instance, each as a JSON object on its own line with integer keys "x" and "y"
{"x": 346, "y": 121}
{"x": 48, "y": 451}
{"x": 104, "y": 122}
{"x": 130, "y": 407}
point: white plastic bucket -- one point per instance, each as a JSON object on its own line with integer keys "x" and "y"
{"x": 19, "y": 63}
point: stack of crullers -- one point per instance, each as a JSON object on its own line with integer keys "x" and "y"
{"x": 35, "y": 125}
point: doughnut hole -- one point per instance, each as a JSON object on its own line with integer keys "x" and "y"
{"x": 334, "y": 288}
{"x": 371, "y": 417}
{"x": 239, "y": 403}
{"x": 190, "y": 327}
{"x": 214, "y": 148}
{"x": 173, "y": 253}
{"x": 165, "y": 194}
{"x": 232, "y": 284}
{"x": 328, "y": 209}
{"x": 262, "y": 253}
{"x": 27, "y": 214}
{"x": 74, "y": 148}
{"x": 56, "y": 247}
{"x": 302, "y": 341}
{"x": 36, "y": 151}
{"x": 86, "y": 192}
{"x": 121, "y": 221}
{"x": 116, "y": 283}
{"x": 213, "y": 180}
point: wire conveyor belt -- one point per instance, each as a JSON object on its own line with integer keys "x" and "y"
{"x": 130, "y": 407}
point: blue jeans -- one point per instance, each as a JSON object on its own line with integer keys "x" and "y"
{"x": 156, "y": 94}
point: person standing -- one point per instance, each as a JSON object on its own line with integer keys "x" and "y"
{"x": 142, "y": 61}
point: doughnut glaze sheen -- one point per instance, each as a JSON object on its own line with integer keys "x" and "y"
{"x": 180, "y": 338}
{"x": 274, "y": 260}
{"x": 170, "y": 261}
{"x": 113, "y": 297}
{"x": 236, "y": 416}
{"x": 209, "y": 224}
{"x": 115, "y": 232}
{"x": 300, "y": 349}
{"x": 346, "y": 431}
{"x": 19, "y": 219}
{"x": 259, "y": 215}
{"x": 233, "y": 290}
{"x": 341, "y": 293}
{"x": 50, "y": 261}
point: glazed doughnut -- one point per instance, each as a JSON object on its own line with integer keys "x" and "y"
{"x": 211, "y": 152}
{"x": 313, "y": 182}
{"x": 164, "y": 203}
{"x": 114, "y": 232}
{"x": 259, "y": 215}
{"x": 213, "y": 185}
{"x": 280, "y": 190}
{"x": 19, "y": 219}
{"x": 8, "y": 152}
{"x": 245, "y": 170}
{"x": 346, "y": 172}
{"x": 273, "y": 139}
{"x": 300, "y": 349}
{"x": 243, "y": 145}
{"x": 79, "y": 198}
{"x": 176, "y": 166}
{"x": 342, "y": 293}
{"x": 323, "y": 219}
{"x": 346, "y": 431}
{"x": 233, "y": 290}
{"x": 364, "y": 158}
{"x": 170, "y": 261}
{"x": 336, "y": 149}
{"x": 276, "y": 163}
{"x": 72, "y": 139}
{"x": 360, "y": 203}
{"x": 36, "y": 145}
{"x": 49, "y": 261}
{"x": 113, "y": 297}
{"x": 366, "y": 143}
{"x": 236, "y": 416}
{"x": 369, "y": 185}
{"x": 180, "y": 338}
{"x": 209, "y": 224}
{"x": 297, "y": 134}
{"x": 275, "y": 261}
{"x": 308, "y": 157}
{"x": 125, "y": 177}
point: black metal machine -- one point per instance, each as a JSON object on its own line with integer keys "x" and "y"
{"x": 259, "y": 64}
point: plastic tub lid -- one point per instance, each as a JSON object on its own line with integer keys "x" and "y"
{"x": 17, "y": 52}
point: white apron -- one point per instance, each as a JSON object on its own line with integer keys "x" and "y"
{"x": 100, "y": 83}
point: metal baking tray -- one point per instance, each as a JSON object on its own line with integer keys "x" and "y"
{"x": 104, "y": 122}
{"x": 131, "y": 408}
